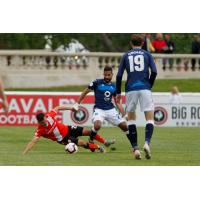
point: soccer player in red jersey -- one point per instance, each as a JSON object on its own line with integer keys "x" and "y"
{"x": 50, "y": 128}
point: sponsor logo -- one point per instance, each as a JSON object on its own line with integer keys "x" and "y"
{"x": 80, "y": 116}
{"x": 107, "y": 95}
{"x": 160, "y": 115}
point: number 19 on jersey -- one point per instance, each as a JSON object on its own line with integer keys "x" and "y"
{"x": 136, "y": 63}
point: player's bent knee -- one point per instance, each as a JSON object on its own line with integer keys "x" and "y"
{"x": 86, "y": 132}
{"x": 123, "y": 126}
{"x": 97, "y": 125}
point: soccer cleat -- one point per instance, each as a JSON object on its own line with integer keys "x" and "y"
{"x": 102, "y": 150}
{"x": 147, "y": 151}
{"x": 109, "y": 142}
{"x": 137, "y": 154}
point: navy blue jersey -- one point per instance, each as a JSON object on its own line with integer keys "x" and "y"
{"x": 137, "y": 63}
{"x": 103, "y": 93}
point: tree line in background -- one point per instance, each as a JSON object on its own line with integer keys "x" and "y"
{"x": 104, "y": 42}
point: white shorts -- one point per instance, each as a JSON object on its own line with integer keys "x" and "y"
{"x": 143, "y": 96}
{"x": 111, "y": 116}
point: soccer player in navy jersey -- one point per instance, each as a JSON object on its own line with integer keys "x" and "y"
{"x": 104, "y": 109}
{"x": 138, "y": 63}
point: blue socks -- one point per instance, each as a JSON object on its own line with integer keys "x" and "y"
{"x": 132, "y": 134}
{"x": 149, "y": 132}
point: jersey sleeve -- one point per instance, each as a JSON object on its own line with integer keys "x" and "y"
{"x": 38, "y": 133}
{"x": 52, "y": 113}
{"x": 120, "y": 73}
{"x": 92, "y": 85}
{"x": 115, "y": 92}
{"x": 153, "y": 74}
{"x": 152, "y": 64}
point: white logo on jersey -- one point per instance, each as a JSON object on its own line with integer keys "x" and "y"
{"x": 74, "y": 127}
{"x": 107, "y": 95}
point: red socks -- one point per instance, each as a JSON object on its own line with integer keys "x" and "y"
{"x": 93, "y": 146}
{"x": 99, "y": 138}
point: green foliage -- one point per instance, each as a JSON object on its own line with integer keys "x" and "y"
{"x": 183, "y": 42}
{"x": 21, "y": 41}
{"x": 92, "y": 41}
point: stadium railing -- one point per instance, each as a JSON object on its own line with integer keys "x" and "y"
{"x": 41, "y": 68}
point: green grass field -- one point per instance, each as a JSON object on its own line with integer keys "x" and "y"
{"x": 170, "y": 147}
{"x": 165, "y": 85}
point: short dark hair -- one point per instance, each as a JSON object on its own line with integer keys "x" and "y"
{"x": 137, "y": 40}
{"x": 40, "y": 117}
{"x": 107, "y": 68}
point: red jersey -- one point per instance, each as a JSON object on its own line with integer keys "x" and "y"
{"x": 54, "y": 130}
{"x": 159, "y": 45}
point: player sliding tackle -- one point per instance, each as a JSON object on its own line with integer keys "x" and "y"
{"x": 50, "y": 128}
{"x": 104, "y": 109}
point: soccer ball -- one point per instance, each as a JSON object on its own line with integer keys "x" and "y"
{"x": 71, "y": 148}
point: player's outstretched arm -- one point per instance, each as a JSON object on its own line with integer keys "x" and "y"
{"x": 83, "y": 94}
{"x": 58, "y": 108}
{"x": 80, "y": 99}
{"x": 120, "y": 107}
{"x": 119, "y": 76}
{"x": 30, "y": 145}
